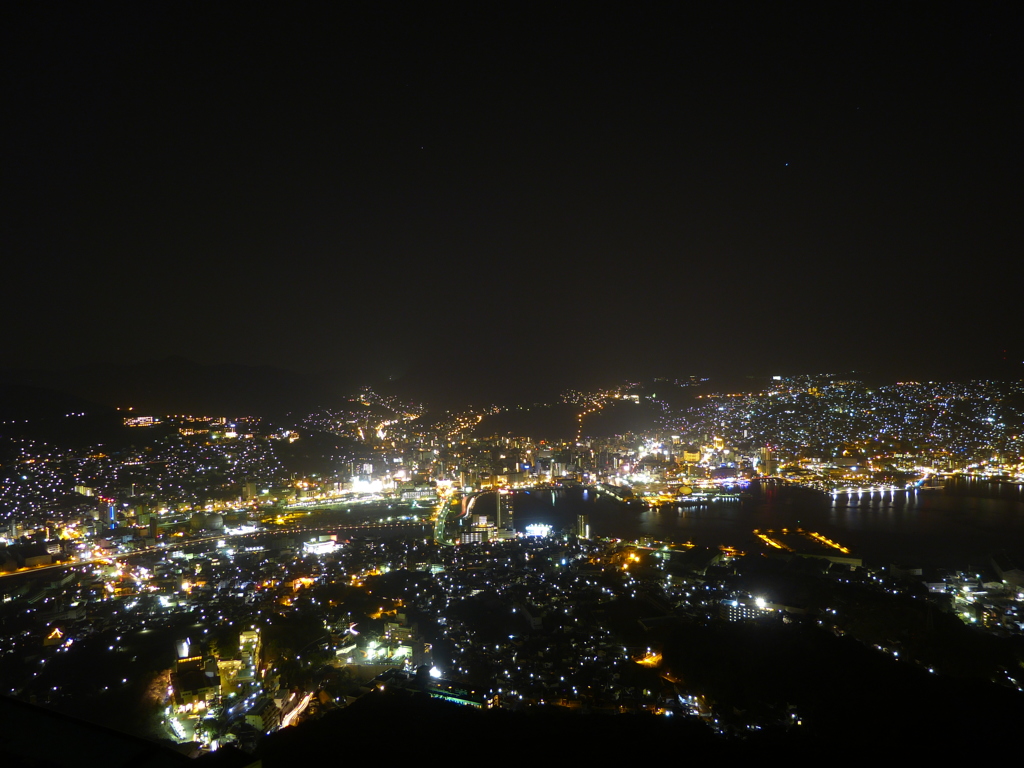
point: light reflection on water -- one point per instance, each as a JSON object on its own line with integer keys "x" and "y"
{"x": 923, "y": 528}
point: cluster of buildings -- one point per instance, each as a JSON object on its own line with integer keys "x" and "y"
{"x": 827, "y": 432}
{"x": 195, "y": 533}
{"x": 836, "y": 423}
{"x": 274, "y": 627}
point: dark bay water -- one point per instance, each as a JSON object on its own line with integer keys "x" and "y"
{"x": 926, "y": 528}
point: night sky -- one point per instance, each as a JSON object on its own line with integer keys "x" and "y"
{"x": 777, "y": 187}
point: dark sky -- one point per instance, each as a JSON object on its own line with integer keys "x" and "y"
{"x": 767, "y": 186}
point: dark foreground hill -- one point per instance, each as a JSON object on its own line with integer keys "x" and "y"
{"x": 412, "y": 727}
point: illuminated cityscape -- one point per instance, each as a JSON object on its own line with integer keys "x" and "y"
{"x": 411, "y": 380}
{"x": 233, "y": 577}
